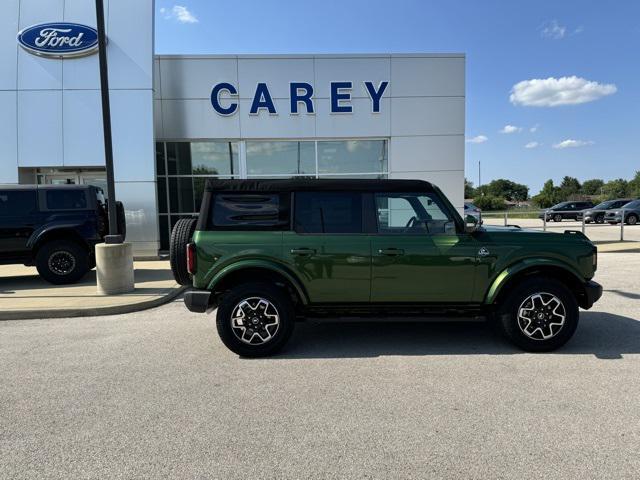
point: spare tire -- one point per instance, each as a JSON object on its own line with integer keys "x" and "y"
{"x": 121, "y": 220}
{"x": 181, "y": 235}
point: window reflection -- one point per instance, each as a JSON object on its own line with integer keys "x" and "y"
{"x": 352, "y": 156}
{"x": 281, "y": 158}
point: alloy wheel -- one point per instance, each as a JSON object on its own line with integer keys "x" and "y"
{"x": 61, "y": 262}
{"x": 255, "y": 321}
{"x": 541, "y": 316}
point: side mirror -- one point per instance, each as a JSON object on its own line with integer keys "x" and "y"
{"x": 470, "y": 224}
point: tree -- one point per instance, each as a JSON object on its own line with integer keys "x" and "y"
{"x": 506, "y": 189}
{"x": 569, "y": 186}
{"x": 489, "y": 202}
{"x": 592, "y": 187}
{"x": 618, "y": 188}
{"x": 549, "y": 195}
{"x": 469, "y": 191}
{"x": 634, "y": 186}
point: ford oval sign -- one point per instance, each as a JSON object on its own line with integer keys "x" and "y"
{"x": 59, "y": 40}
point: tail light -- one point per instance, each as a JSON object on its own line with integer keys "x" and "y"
{"x": 191, "y": 258}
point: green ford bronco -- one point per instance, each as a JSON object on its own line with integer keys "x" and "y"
{"x": 268, "y": 252}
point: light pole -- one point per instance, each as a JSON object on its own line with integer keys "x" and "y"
{"x": 114, "y": 236}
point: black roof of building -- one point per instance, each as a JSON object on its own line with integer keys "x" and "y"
{"x": 317, "y": 184}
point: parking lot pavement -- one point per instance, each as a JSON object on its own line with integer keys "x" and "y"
{"x": 155, "y": 394}
{"x": 595, "y": 232}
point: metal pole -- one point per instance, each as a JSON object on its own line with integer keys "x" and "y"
{"x": 479, "y": 178}
{"x": 505, "y": 218}
{"x": 544, "y": 221}
{"x": 583, "y": 223}
{"x": 113, "y": 236}
{"x": 622, "y": 226}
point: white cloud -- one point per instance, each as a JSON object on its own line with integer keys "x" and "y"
{"x": 552, "y": 92}
{"x": 534, "y": 129}
{"x": 477, "y": 139}
{"x": 532, "y": 145}
{"x": 552, "y": 29}
{"x": 569, "y": 143}
{"x": 179, "y": 13}
{"x": 510, "y": 129}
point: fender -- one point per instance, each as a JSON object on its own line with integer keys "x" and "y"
{"x": 52, "y": 227}
{"x": 256, "y": 263}
{"x": 509, "y": 272}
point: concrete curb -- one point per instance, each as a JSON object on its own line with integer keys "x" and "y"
{"x": 92, "y": 311}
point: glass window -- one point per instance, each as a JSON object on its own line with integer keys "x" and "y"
{"x": 352, "y": 156}
{"x": 162, "y": 194}
{"x": 66, "y": 199}
{"x": 328, "y": 212}
{"x": 281, "y": 158}
{"x": 181, "y": 195}
{"x": 255, "y": 210}
{"x": 179, "y": 158}
{"x": 412, "y": 213}
{"x": 214, "y": 158}
{"x": 16, "y": 203}
{"x": 160, "y": 167}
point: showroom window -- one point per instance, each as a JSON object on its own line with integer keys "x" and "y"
{"x": 182, "y": 168}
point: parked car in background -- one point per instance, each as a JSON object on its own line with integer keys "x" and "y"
{"x": 471, "y": 209}
{"x": 597, "y": 213}
{"x": 631, "y": 213}
{"x": 54, "y": 227}
{"x": 565, "y": 211}
{"x": 265, "y": 253}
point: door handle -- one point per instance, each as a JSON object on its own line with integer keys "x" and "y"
{"x": 391, "y": 252}
{"x": 303, "y": 251}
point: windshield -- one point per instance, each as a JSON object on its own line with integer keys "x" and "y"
{"x": 604, "y": 205}
{"x": 559, "y": 206}
{"x": 633, "y": 204}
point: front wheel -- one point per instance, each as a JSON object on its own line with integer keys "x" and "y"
{"x": 540, "y": 315}
{"x": 632, "y": 219}
{"x": 255, "y": 319}
{"x": 600, "y": 218}
{"x": 62, "y": 262}
{"x": 557, "y": 217}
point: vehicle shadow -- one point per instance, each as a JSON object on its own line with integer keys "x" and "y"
{"x": 604, "y": 335}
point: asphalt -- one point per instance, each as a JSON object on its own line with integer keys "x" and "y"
{"x": 155, "y": 394}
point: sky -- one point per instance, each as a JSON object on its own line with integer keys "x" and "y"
{"x": 552, "y": 86}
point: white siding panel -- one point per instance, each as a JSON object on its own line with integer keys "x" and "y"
{"x": 82, "y": 72}
{"x": 356, "y": 70}
{"x": 427, "y": 76}
{"x": 40, "y": 128}
{"x": 427, "y": 116}
{"x": 276, "y": 73}
{"x": 283, "y": 125}
{"x": 83, "y": 137}
{"x": 8, "y": 139}
{"x": 360, "y": 123}
{"x": 8, "y": 44}
{"x": 411, "y": 154}
{"x": 191, "y": 119}
{"x": 157, "y": 119}
{"x": 194, "y": 78}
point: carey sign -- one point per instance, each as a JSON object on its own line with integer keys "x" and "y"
{"x": 59, "y": 40}
{"x": 224, "y": 98}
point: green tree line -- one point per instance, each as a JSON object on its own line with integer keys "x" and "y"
{"x": 495, "y": 194}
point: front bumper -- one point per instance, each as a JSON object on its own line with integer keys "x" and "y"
{"x": 197, "y": 300}
{"x": 592, "y": 293}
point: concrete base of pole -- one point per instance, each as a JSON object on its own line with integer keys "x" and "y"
{"x": 114, "y": 268}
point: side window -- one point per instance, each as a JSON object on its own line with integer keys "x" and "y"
{"x": 328, "y": 212}
{"x": 412, "y": 213}
{"x": 66, "y": 199}
{"x": 17, "y": 203}
{"x": 242, "y": 210}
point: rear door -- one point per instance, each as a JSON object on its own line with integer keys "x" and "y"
{"x": 329, "y": 248}
{"x": 417, "y": 255}
{"x": 18, "y": 218}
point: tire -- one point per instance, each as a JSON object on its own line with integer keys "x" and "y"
{"x": 62, "y": 262}
{"x": 265, "y": 340}
{"x": 121, "y": 221}
{"x": 544, "y": 292}
{"x": 181, "y": 235}
{"x": 600, "y": 218}
{"x": 632, "y": 219}
{"x": 557, "y": 217}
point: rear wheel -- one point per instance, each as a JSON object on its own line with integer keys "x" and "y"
{"x": 632, "y": 219}
{"x": 61, "y": 262}
{"x": 557, "y": 217}
{"x": 255, "y": 319}
{"x": 181, "y": 235}
{"x": 540, "y": 315}
{"x": 600, "y": 218}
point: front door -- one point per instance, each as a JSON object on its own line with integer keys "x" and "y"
{"x": 417, "y": 255}
{"x": 18, "y": 218}
{"x": 329, "y": 249}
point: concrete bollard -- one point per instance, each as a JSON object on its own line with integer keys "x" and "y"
{"x": 114, "y": 268}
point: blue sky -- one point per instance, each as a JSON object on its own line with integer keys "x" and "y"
{"x": 585, "y": 126}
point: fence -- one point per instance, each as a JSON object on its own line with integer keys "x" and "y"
{"x": 599, "y": 232}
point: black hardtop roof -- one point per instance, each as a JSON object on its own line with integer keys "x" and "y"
{"x": 33, "y": 186}
{"x": 317, "y": 184}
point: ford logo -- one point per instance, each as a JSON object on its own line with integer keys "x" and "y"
{"x": 59, "y": 39}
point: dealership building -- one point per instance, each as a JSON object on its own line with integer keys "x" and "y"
{"x": 180, "y": 119}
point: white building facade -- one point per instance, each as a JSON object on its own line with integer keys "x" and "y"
{"x": 178, "y": 120}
